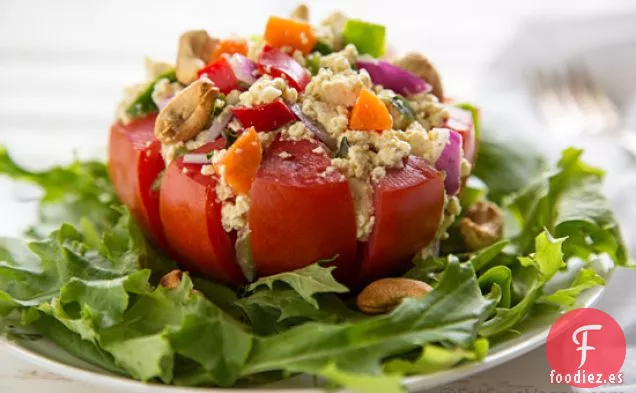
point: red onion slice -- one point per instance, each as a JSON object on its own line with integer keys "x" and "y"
{"x": 218, "y": 124}
{"x": 244, "y": 68}
{"x": 450, "y": 161}
{"x": 393, "y": 77}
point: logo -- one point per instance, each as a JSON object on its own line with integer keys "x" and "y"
{"x": 586, "y": 348}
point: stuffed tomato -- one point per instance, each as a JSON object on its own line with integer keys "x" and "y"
{"x": 292, "y": 151}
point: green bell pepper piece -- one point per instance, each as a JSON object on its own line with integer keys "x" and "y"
{"x": 369, "y": 38}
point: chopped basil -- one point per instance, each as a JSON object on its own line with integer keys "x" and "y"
{"x": 401, "y": 112}
{"x": 143, "y": 104}
{"x": 322, "y": 48}
{"x": 230, "y": 136}
{"x": 343, "y": 150}
{"x": 219, "y": 104}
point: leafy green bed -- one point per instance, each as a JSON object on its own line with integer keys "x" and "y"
{"x": 90, "y": 285}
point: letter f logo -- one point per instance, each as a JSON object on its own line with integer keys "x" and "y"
{"x": 583, "y": 344}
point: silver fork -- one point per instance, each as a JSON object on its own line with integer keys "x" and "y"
{"x": 571, "y": 102}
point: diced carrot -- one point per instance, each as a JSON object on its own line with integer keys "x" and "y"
{"x": 230, "y": 46}
{"x": 369, "y": 113}
{"x": 241, "y": 162}
{"x": 281, "y": 32}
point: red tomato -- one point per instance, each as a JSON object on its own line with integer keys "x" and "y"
{"x": 191, "y": 214}
{"x": 134, "y": 162}
{"x": 408, "y": 205}
{"x": 461, "y": 120}
{"x": 299, "y": 213}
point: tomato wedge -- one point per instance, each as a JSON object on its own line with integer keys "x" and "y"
{"x": 461, "y": 120}
{"x": 191, "y": 214}
{"x": 408, "y": 205}
{"x": 300, "y": 213}
{"x": 134, "y": 162}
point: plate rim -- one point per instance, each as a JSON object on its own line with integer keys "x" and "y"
{"x": 513, "y": 349}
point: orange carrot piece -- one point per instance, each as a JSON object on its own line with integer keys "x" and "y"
{"x": 281, "y": 32}
{"x": 369, "y": 113}
{"x": 241, "y": 162}
{"x": 230, "y": 46}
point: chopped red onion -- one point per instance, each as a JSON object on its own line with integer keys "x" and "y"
{"x": 197, "y": 158}
{"x": 218, "y": 125}
{"x": 393, "y": 77}
{"x": 450, "y": 161}
{"x": 244, "y": 68}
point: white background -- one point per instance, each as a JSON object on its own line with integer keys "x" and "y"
{"x": 63, "y": 65}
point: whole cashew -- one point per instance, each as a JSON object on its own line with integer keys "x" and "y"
{"x": 195, "y": 49}
{"x": 187, "y": 113}
{"x": 384, "y": 295}
{"x": 482, "y": 225}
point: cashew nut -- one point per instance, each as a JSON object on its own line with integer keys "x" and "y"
{"x": 172, "y": 279}
{"x": 187, "y": 113}
{"x": 195, "y": 49}
{"x": 301, "y": 12}
{"x": 482, "y": 225}
{"x": 384, "y": 295}
{"x": 422, "y": 67}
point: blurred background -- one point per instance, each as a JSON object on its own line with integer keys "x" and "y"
{"x": 555, "y": 71}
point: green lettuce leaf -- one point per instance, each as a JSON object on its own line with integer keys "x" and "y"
{"x": 452, "y": 312}
{"x": 506, "y": 163}
{"x": 568, "y": 202}
{"x": 542, "y": 266}
{"x": 369, "y": 383}
{"x": 436, "y": 358}
{"x": 307, "y": 281}
{"x": 80, "y": 190}
{"x": 274, "y": 311}
{"x": 566, "y": 298}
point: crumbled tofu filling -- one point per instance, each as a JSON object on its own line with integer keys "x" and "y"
{"x": 362, "y": 193}
{"x": 267, "y": 89}
{"x": 234, "y": 214}
{"x": 296, "y": 132}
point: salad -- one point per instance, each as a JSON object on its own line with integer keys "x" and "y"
{"x": 300, "y": 202}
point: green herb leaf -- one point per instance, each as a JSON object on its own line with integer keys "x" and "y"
{"x": 143, "y": 104}
{"x": 322, "y": 48}
{"x": 343, "y": 149}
